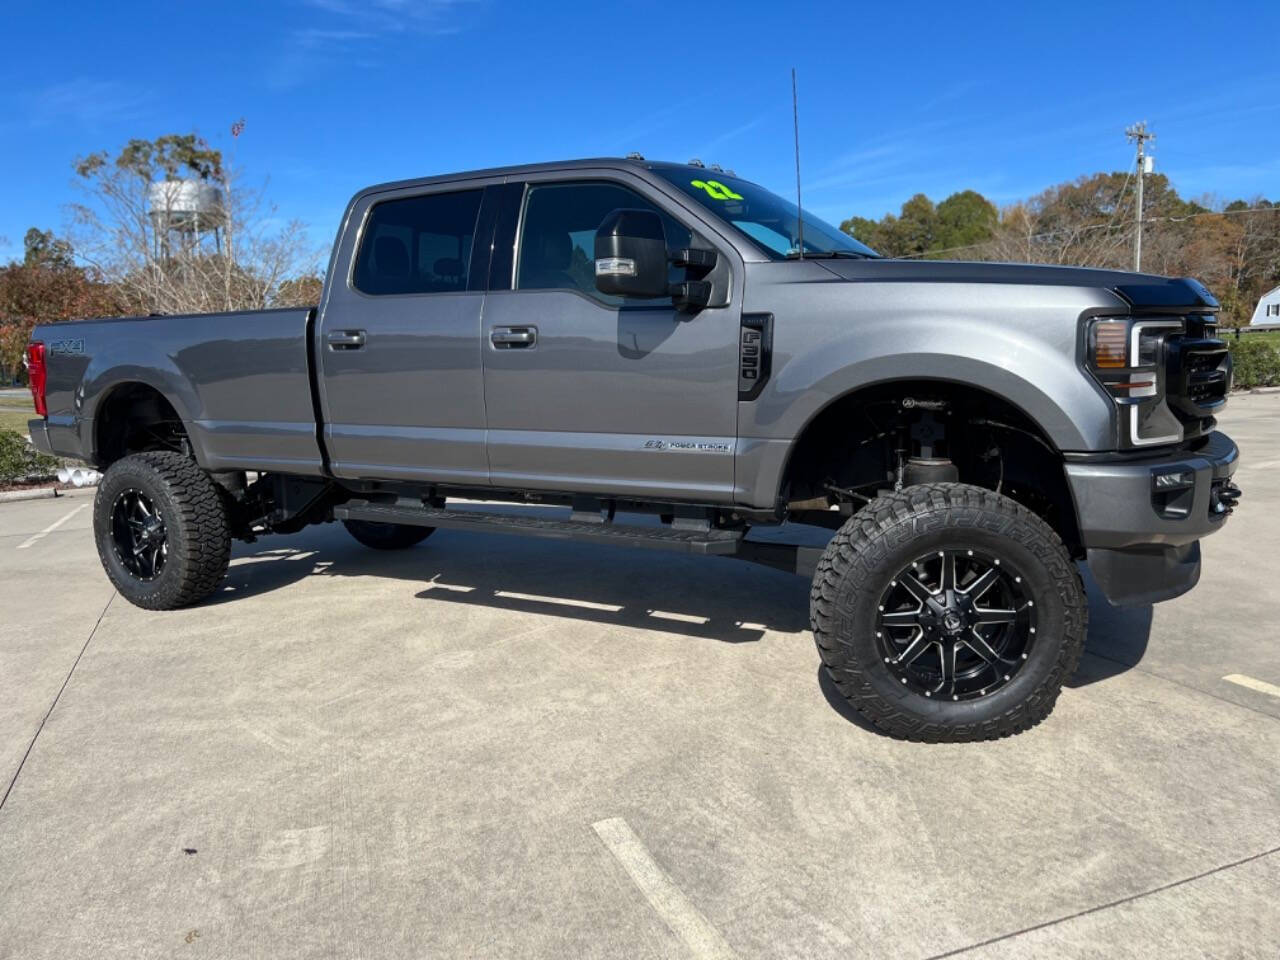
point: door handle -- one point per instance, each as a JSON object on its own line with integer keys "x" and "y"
{"x": 346, "y": 339}
{"x": 507, "y": 338}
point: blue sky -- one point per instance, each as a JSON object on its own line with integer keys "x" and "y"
{"x": 894, "y": 97}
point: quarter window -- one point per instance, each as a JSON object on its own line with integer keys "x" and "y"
{"x": 418, "y": 244}
{"x": 557, "y": 239}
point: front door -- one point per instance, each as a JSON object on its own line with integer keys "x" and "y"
{"x": 400, "y": 376}
{"x": 589, "y": 393}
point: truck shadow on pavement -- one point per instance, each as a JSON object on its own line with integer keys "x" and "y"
{"x": 709, "y": 598}
{"x": 1118, "y": 637}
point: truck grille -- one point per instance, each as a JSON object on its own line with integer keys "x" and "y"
{"x": 1198, "y": 370}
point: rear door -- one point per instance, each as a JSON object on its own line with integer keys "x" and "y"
{"x": 589, "y": 393}
{"x": 399, "y": 338}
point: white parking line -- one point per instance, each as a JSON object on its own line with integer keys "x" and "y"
{"x": 1260, "y": 685}
{"x": 50, "y": 528}
{"x": 559, "y": 601}
{"x": 680, "y": 617}
{"x": 668, "y": 901}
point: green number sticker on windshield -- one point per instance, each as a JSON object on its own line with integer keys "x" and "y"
{"x": 716, "y": 190}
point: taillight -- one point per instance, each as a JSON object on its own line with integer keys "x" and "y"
{"x": 37, "y": 376}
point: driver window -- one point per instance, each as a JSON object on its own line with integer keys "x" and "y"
{"x": 557, "y": 238}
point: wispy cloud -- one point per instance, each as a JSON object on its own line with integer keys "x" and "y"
{"x": 87, "y": 101}
{"x": 948, "y": 94}
{"x": 313, "y": 38}
{"x": 708, "y": 148}
{"x": 383, "y": 16}
{"x": 632, "y": 136}
{"x": 349, "y": 29}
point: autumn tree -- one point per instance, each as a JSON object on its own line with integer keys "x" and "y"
{"x": 1233, "y": 248}
{"x": 175, "y": 230}
{"x": 43, "y": 287}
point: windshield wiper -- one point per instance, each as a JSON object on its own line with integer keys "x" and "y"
{"x": 828, "y": 255}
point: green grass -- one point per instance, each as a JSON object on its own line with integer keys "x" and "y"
{"x": 15, "y": 418}
{"x": 1272, "y": 338}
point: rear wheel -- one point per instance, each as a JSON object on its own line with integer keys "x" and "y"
{"x": 946, "y": 612}
{"x": 161, "y": 527}
{"x": 387, "y": 536}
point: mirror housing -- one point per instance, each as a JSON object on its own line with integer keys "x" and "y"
{"x": 631, "y": 255}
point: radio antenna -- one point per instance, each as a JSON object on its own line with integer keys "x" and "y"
{"x": 795, "y": 117}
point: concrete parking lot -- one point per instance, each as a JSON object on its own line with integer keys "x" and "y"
{"x": 491, "y": 747}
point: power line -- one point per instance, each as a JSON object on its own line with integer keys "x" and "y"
{"x": 1120, "y": 199}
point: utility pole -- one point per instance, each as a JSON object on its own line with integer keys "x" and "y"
{"x": 1138, "y": 134}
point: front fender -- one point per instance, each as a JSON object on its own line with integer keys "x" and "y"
{"x": 1058, "y": 399}
{"x": 1019, "y": 343}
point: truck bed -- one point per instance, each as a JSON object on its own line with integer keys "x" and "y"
{"x": 240, "y": 381}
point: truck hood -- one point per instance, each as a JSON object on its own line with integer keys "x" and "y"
{"x": 1142, "y": 291}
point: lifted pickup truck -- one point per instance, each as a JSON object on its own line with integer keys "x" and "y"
{"x": 614, "y": 337}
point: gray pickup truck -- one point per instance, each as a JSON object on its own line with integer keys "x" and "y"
{"x": 619, "y": 337}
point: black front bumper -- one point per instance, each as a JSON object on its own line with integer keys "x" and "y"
{"x": 1141, "y": 520}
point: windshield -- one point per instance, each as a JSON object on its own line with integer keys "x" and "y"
{"x": 765, "y": 217}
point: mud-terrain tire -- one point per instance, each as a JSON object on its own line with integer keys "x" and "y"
{"x": 387, "y": 536}
{"x": 878, "y": 597}
{"x": 176, "y": 516}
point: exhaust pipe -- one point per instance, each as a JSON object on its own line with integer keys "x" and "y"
{"x": 84, "y": 478}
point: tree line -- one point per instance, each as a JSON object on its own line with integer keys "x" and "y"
{"x": 123, "y": 254}
{"x": 1234, "y": 248}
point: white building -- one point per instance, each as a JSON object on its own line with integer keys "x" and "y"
{"x": 1268, "y": 311}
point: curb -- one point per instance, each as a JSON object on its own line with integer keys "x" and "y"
{"x": 41, "y": 493}
{"x": 1265, "y": 390}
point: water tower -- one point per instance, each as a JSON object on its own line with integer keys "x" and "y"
{"x": 187, "y": 216}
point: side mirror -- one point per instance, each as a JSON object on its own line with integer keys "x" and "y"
{"x": 631, "y": 255}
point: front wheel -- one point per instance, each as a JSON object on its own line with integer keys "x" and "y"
{"x": 947, "y": 612}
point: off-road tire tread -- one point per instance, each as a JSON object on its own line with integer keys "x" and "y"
{"x": 199, "y": 535}
{"x": 860, "y": 546}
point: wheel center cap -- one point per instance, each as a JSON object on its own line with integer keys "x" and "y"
{"x": 952, "y": 622}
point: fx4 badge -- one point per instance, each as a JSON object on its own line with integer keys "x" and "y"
{"x": 70, "y": 348}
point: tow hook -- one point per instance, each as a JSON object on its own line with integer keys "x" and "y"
{"x": 1224, "y": 495}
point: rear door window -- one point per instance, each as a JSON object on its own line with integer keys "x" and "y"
{"x": 418, "y": 244}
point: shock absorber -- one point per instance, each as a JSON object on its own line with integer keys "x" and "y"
{"x": 929, "y": 462}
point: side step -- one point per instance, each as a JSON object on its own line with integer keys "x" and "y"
{"x": 707, "y": 542}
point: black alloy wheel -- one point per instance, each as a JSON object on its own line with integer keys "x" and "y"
{"x": 138, "y": 534}
{"x": 162, "y": 529}
{"x": 945, "y": 612}
{"x": 957, "y": 624}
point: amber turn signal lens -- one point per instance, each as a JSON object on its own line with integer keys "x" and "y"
{"x": 1109, "y": 345}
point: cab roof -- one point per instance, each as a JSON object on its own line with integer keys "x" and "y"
{"x": 635, "y": 162}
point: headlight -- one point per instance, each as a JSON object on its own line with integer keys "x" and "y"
{"x": 1126, "y": 356}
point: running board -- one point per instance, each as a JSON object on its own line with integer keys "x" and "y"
{"x": 705, "y": 542}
